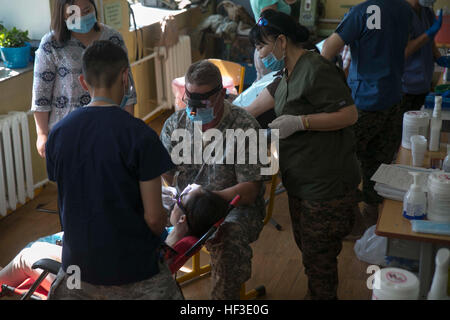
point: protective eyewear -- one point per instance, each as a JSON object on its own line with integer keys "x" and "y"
{"x": 199, "y": 100}
{"x": 183, "y": 208}
{"x": 262, "y": 22}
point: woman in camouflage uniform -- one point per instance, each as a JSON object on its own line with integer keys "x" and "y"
{"x": 317, "y": 147}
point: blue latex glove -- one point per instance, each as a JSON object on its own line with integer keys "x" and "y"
{"x": 446, "y": 94}
{"x": 444, "y": 61}
{"x": 435, "y": 27}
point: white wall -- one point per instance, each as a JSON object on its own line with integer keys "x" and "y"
{"x": 31, "y": 15}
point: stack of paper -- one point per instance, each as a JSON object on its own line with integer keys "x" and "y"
{"x": 393, "y": 181}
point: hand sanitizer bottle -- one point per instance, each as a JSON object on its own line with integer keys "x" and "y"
{"x": 415, "y": 201}
{"x": 446, "y": 164}
{"x": 436, "y": 125}
{"x": 438, "y": 289}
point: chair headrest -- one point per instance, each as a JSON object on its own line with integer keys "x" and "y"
{"x": 182, "y": 246}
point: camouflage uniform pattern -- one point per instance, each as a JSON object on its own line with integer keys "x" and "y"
{"x": 412, "y": 102}
{"x": 377, "y": 142}
{"x": 229, "y": 247}
{"x": 161, "y": 286}
{"x": 319, "y": 228}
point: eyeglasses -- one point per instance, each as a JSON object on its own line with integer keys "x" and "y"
{"x": 262, "y": 22}
{"x": 197, "y": 103}
{"x": 203, "y": 96}
{"x": 180, "y": 204}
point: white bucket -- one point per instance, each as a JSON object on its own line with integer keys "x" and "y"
{"x": 395, "y": 284}
{"x": 414, "y": 123}
{"x": 439, "y": 197}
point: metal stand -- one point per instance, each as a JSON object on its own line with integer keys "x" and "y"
{"x": 41, "y": 209}
{"x": 279, "y": 190}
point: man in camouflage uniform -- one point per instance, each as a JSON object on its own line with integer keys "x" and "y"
{"x": 229, "y": 247}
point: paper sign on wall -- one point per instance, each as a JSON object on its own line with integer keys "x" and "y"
{"x": 113, "y": 14}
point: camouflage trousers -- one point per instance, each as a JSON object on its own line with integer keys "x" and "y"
{"x": 230, "y": 251}
{"x": 319, "y": 227}
{"x": 412, "y": 102}
{"x": 377, "y": 138}
{"x": 161, "y": 286}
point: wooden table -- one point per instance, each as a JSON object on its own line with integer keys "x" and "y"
{"x": 402, "y": 241}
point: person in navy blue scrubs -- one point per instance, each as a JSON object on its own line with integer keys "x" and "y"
{"x": 421, "y": 54}
{"x": 377, "y": 32}
{"x": 108, "y": 166}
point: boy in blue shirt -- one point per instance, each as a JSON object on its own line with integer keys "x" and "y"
{"x": 108, "y": 168}
{"x": 377, "y": 32}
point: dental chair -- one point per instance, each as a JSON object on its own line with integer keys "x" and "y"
{"x": 29, "y": 290}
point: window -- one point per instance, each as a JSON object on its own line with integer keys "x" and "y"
{"x": 22, "y": 14}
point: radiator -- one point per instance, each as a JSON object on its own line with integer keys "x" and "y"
{"x": 16, "y": 174}
{"x": 170, "y": 64}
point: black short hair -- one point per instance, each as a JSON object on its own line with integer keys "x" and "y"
{"x": 278, "y": 23}
{"x": 102, "y": 63}
{"x": 204, "y": 209}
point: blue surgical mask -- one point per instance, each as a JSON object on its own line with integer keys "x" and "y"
{"x": 125, "y": 99}
{"x": 205, "y": 115}
{"x": 126, "y": 95}
{"x": 272, "y": 63}
{"x": 87, "y": 22}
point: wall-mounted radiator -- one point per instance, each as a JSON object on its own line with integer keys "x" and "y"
{"x": 170, "y": 63}
{"x": 16, "y": 175}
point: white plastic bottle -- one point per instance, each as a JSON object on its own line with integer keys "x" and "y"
{"x": 415, "y": 201}
{"x": 446, "y": 164}
{"x": 446, "y": 76}
{"x": 438, "y": 289}
{"x": 436, "y": 125}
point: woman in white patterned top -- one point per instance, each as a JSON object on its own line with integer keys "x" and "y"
{"x": 56, "y": 88}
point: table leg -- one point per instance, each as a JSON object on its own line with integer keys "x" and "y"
{"x": 425, "y": 269}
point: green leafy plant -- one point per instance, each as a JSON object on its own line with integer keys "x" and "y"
{"x": 13, "y": 38}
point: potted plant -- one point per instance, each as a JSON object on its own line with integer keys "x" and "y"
{"x": 14, "y": 47}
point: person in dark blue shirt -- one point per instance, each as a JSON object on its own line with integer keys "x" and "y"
{"x": 377, "y": 32}
{"x": 421, "y": 54}
{"x": 108, "y": 166}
